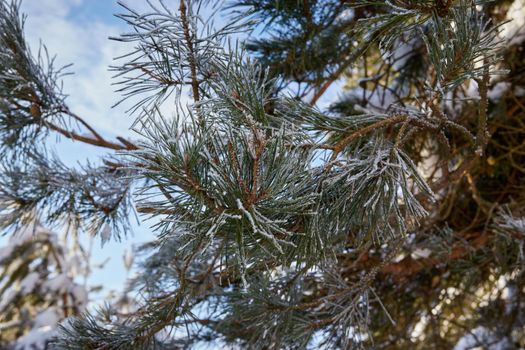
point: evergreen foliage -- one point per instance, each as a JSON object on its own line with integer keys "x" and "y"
{"x": 392, "y": 218}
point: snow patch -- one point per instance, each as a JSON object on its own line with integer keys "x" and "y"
{"x": 497, "y": 92}
{"x": 80, "y": 295}
{"x": 37, "y": 338}
{"x": 59, "y": 283}
{"x": 5, "y": 252}
{"x": 514, "y": 30}
{"x": 47, "y": 317}
{"x": 482, "y": 337}
{"x": 28, "y": 283}
{"x": 420, "y": 253}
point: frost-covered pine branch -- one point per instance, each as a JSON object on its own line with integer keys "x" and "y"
{"x": 281, "y": 223}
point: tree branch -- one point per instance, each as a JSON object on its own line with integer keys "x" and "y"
{"x": 91, "y": 141}
{"x": 191, "y": 58}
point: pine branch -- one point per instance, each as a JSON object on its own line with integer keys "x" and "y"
{"x": 281, "y": 225}
{"x": 97, "y": 141}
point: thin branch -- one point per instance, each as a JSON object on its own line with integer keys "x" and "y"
{"x": 83, "y": 122}
{"x": 92, "y": 141}
{"x": 340, "y": 146}
{"x": 329, "y": 81}
{"x": 483, "y": 135}
{"x": 191, "y": 58}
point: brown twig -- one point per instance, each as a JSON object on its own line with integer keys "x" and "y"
{"x": 329, "y": 81}
{"x": 340, "y": 146}
{"x": 191, "y": 58}
{"x": 482, "y": 136}
{"x": 99, "y": 142}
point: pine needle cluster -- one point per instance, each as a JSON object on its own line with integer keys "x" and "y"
{"x": 390, "y": 219}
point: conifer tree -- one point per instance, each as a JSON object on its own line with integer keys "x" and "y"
{"x": 40, "y": 284}
{"x": 390, "y": 218}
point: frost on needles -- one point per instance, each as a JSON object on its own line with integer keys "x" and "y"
{"x": 386, "y": 216}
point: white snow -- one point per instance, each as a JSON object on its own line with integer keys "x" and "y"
{"x": 480, "y": 337}
{"x": 514, "y": 30}
{"x": 419, "y": 328}
{"x": 420, "y": 253}
{"x": 346, "y": 15}
{"x": 74, "y": 265}
{"x": 28, "y": 283}
{"x": 24, "y": 235}
{"x": 5, "y": 251}
{"x": 80, "y": 295}
{"x": 7, "y": 298}
{"x": 47, "y": 317}
{"x": 58, "y": 283}
{"x": 498, "y": 90}
{"x": 35, "y": 339}
{"x": 473, "y": 90}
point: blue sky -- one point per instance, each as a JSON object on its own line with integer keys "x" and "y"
{"x": 77, "y": 32}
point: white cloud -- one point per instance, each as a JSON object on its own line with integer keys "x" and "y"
{"x": 84, "y": 42}
{"x": 57, "y": 7}
{"x": 86, "y": 45}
